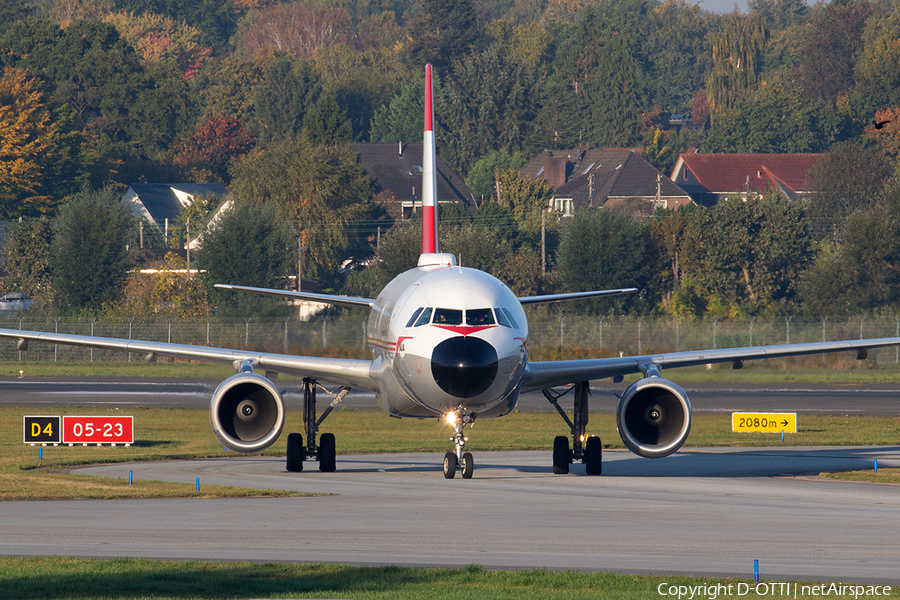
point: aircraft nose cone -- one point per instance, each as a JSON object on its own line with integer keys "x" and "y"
{"x": 464, "y": 367}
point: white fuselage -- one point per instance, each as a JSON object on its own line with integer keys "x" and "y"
{"x": 444, "y": 339}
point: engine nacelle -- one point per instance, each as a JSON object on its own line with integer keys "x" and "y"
{"x": 247, "y": 413}
{"x": 654, "y": 417}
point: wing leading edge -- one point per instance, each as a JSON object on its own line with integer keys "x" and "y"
{"x": 541, "y": 375}
{"x": 350, "y": 372}
{"x": 346, "y": 301}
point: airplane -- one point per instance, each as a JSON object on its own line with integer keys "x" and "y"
{"x": 447, "y": 342}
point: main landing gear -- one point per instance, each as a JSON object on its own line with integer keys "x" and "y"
{"x": 459, "y": 460}
{"x": 325, "y": 450}
{"x": 587, "y": 449}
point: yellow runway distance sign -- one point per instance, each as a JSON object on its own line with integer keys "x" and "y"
{"x": 765, "y": 422}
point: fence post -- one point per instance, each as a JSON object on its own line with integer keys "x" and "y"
{"x": 787, "y": 320}
{"x": 247, "y": 332}
{"x": 20, "y": 329}
{"x": 640, "y": 345}
{"x": 286, "y": 319}
{"x": 130, "y": 323}
{"x": 207, "y": 331}
{"x": 325, "y": 331}
{"x": 897, "y": 349}
{"x": 169, "y": 319}
{"x": 365, "y": 333}
{"x": 861, "y": 319}
{"x": 55, "y": 346}
{"x": 94, "y": 320}
{"x": 715, "y": 326}
{"x": 677, "y": 334}
{"x": 562, "y": 329}
{"x": 601, "y": 331}
{"x": 824, "y": 320}
{"x": 751, "y": 330}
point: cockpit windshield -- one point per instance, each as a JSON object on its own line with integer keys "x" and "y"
{"x": 424, "y": 318}
{"x": 479, "y": 317}
{"x": 447, "y": 316}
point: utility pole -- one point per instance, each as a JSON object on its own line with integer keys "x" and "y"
{"x": 142, "y": 234}
{"x": 378, "y": 243}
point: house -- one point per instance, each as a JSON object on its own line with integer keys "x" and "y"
{"x": 160, "y": 203}
{"x": 397, "y": 169}
{"x": 710, "y": 178}
{"x": 604, "y": 177}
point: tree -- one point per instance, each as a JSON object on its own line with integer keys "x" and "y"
{"x": 325, "y": 122}
{"x": 296, "y": 29}
{"x": 774, "y": 118}
{"x": 89, "y": 253}
{"x": 215, "y": 18}
{"x": 401, "y": 119}
{"x": 603, "y": 249}
{"x": 877, "y": 77}
{"x": 756, "y": 251}
{"x": 862, "y": 272}
{"x": 831, "y": 43}
{"x": 162, "y": 39}
{"x": 888, "y": 136}
{"x": 289, "y": 89}
{"x": 488, "y": 103}
{"x": 779, "y": 14}
{"x": 322, "y": 187}
{"x": 736, "y": 54}
{"x": 846, "y": 178}
{"x": 525, "y": 198}
{"x": 170, "y": 292}
{"x": 32, "y": 148}
{"x": 27, "y": 252}
{"x": 444, "y": 31}
{"x": 214, "y": 143}
{"x": 482, "y": 177}
{"x": 250, "y": 244}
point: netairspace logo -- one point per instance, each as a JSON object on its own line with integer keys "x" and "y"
{"x": 772, "y": 588}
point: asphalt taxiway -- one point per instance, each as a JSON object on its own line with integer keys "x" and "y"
{"x": 701, "y": 511}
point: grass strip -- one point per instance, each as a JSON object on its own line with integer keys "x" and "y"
{"x": 62, "y": 578}
{"x": 183, "y": 433}
{"x": 888, "y": 475}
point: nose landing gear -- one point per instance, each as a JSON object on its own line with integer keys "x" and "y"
{"x": 459, "y": 460}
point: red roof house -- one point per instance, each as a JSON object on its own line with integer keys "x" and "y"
{"x": 710, "y": 178}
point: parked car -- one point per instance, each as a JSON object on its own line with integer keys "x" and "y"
{"x": 14, "y": 302}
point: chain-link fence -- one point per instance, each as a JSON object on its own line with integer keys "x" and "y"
{"x": 345, "y": 334}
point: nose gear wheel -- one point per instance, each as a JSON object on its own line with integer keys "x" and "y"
{"x": 460, "y": 460}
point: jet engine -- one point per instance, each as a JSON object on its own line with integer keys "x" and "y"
{"x": 247, "y": 413}
{"x": 654, "y": 417}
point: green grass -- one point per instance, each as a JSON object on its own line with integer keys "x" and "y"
{"x": 60, "y": 578}
{"x": 883, "y": 475}
{"x": 181, "y": 433}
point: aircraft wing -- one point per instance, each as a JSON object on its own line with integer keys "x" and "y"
{"x": 346, "y": 301}
{"x": 343, "y": 371}
{"x": 541, "y": 375}
{"x": 525, "y": 300}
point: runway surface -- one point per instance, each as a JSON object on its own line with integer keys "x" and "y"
{"x": 874, "y": 399}
{"x": 705, "y": 511}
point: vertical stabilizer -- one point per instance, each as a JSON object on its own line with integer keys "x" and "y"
{"x": 429, "y": 180}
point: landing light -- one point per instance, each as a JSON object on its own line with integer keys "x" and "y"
{"x": 451, "y": 418}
